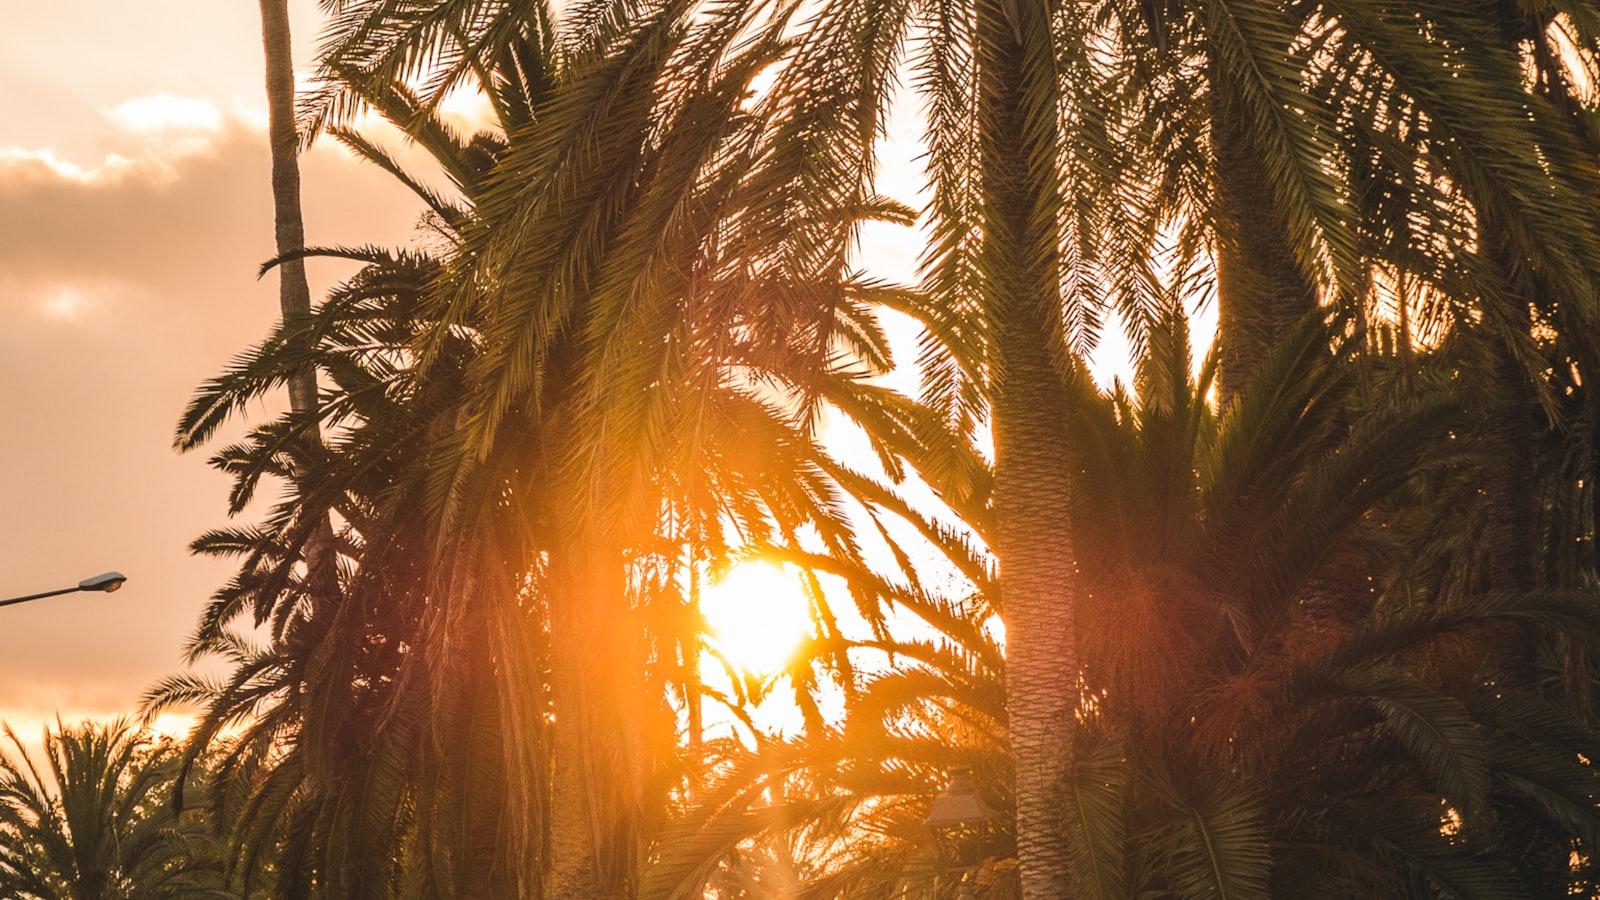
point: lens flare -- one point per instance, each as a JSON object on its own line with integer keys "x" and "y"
{"x": 757, "y": 614}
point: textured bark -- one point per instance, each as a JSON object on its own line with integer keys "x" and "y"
{"x": 1033, "y": 541}
{"x": 1509, "y": 411}
{"x": 294, "y": 294}
{"x": 1038, "y": 579}
{"x": 1262, "y": 290}
{"x": 1513, "y": 425}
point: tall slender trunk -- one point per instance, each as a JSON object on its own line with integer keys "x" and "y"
{"x": 1262, "y": 290}
{"x": 1513, "y": 426}
{"x": 1510, "y": 422}
{"x": 574, "y": 866}
{"x": 1033, "y": 543}
{"x": 294, "y": 294}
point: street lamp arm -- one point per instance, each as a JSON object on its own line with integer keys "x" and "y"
{"x": 105, "y": 582}
{"x": 71, "y": 590}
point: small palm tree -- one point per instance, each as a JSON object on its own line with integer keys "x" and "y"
{"x": 99, "y": 823}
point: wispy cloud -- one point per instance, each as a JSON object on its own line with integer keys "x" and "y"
{"x": 23, "y": 164}
{"x": 127, "y": 276}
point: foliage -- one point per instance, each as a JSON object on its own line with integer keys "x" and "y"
{"x": 1333, "y": 620}
{"x": 96, "y": 821}
{"x": 529, "y": 427}
{"x": 1258, "y": 716}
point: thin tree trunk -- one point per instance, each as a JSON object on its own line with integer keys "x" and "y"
{"x": 1033, "y": 541}
{"x": 1513, "y": 427}
{"x": 1364, "y": 332}
{"x": 574, "y": 823}
{"x": 1408, "y": 363}
{"x": 1262, "y": 290}
{"x": 1038, "y": 588}
{"x": 294, "y": 294}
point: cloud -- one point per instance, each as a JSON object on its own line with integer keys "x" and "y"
{"x": 125, "y": 280}
{"x": 175, "y": 225}
{"x": 20, "y": 164}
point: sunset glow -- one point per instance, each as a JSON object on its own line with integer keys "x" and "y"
{"x": 841, "y": 449}
{"x": 757, "y": 614}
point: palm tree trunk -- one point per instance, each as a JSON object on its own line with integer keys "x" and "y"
{"x": 1403, "y": 338}
{"x": 1038, "y": 587}
{"x": 1033, "y": 543}
{"x": 294, "y": 294}
{"x": 1511, "y": 422}
{"x": 691, "y": 663}
{"x": 1363, "y": 335}
{"x": 1262, "y": 290}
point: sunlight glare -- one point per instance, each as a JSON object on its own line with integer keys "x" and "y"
{"x": 756, "y": 615}
{"x": 67, "y": 304}
{"x": 172, "y": 725}
{"x": 164, "y": 112}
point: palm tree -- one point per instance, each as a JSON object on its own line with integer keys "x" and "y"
{"x": 489, "y": 693}
{"x": 645, "y": 244}
{"x": 806, "y": 194}
{"x": 1515, "y": 382}
{"x": 1516, "y": 320}
{"x": 1300, "y": 100}
{"x": 97, "y": 823}
{"x": 1266, "y": 720}
{"x": 1332, "y": 684}
{"x": 1097, "y": 104}
{"x": 294, "y": 294}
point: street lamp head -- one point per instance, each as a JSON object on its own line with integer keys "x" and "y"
{"x": 960, "y": 804}
{"x": 106, "y": 581}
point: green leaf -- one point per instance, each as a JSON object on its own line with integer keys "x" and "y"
{"x": 1093, "y": 812}
{"x": 1435, "y": 730}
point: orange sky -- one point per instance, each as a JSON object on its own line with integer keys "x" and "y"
{"x": 134, "y": 210}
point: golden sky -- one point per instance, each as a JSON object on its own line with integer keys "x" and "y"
{"x": 134, "y": 210}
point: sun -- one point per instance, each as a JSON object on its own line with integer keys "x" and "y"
{"x": 756, "y": 615}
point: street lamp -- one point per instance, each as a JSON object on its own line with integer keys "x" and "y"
{"x": 105, "y": 582}
{"x": 959, "y": 819}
